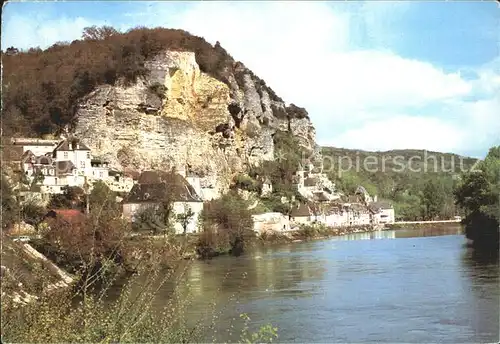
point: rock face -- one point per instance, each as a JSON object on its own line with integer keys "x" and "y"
{"x": 178, "y": 116}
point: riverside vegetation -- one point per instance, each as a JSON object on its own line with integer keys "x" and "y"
{"x": 97, "y": 250}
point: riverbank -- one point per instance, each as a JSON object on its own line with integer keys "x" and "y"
{"x": 418, "y": 225}
{"x": 312, "y": 232}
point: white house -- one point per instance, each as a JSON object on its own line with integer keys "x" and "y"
{"x": 382, "y": 212}
{"x": 76, "y": 152}
{"x": 276, "y": 222}
{"x": 302, "y": 214}
{"x": 336, "y": 216}
{"x": 153, "y": 188}
{"x": 64, "y": 163}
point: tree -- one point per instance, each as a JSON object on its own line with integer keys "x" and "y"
{"x": 98, "y": 33}
{"x": 11, "y": 51}
{"x": 478, "y": 194}
{"x": 32, "y": 213}
{"x": 185, "y": 217}
{"x": 10, "y": 207}
{"x": 432, "y": 198}
{"x": 233, "y": 220}
{"x": 70, "y": 198}
{"x": 102, "y": 199}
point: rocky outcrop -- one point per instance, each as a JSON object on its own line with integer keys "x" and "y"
{"x": 180, "y": 116}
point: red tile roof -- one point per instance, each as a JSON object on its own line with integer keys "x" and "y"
{"x": 67, "y": 214}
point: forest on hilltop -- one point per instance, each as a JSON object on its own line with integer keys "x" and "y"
{"x": 417, "y": 190}
{"x": 41, "y": 88}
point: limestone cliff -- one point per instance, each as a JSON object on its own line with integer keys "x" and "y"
{"x": 180, "y": 116}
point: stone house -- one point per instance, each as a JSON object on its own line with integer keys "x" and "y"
{"x": 360, "y": 215}
{"x": 155, "y": 187}
{"x": 270, "y": 222}
{"x": 66, "y": 162}
{"x": 302, "y": 214}
{"x": 383, "y": 212}
{"x": 336, "y": 216}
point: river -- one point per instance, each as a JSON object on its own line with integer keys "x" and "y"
{"x": 394, "y": 286}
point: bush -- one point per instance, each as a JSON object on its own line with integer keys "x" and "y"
{"x": 232, "y": 220}
{"x": 32, "y": 213}
{"x": 245, "y": 182}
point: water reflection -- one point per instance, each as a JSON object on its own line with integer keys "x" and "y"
{"x": 355, "y": 288}
{"x": 481, "y": 281}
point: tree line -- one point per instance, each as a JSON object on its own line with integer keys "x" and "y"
{"x": 41, "y": 88}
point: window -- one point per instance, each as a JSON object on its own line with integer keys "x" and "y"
{"x": 55, "y": 181}
{"x": 82, "y": 164}
{"x": 101, "y": 175}
{"x": 65, "y": 155}
{"x": 88, "y": 155}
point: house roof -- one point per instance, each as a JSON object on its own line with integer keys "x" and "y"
{"x": 156, "y": 186}
{"x": 66, "y": 214}
{"x": 359, "y": 207}
{"x": 361, "y": 190}
{"x": 353, "y": 199}
{"x": 66, "y": 145}
{"x": 320, "y": 197}
{"x": 300, "y": 211}
{"x": 115, "y": 173}
{"x": 333, "y": 209}
{"x": 381, "y": 205}
{"x": 310, "y": 181}
{"x": 28, "y": 154}
{"x": 27, "y": 142}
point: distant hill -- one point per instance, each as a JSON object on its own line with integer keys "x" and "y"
{"x": 397, "y": 175}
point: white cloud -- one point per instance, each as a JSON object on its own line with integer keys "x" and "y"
{"x": 26, "y": 32}
{"x": 401, "y": 132}
{"x": 474, "y": 126}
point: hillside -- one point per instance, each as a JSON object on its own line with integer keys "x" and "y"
{"x": 398, "y": 175}
{"x": 150, "y": 99}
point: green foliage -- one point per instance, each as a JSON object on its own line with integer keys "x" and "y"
{"x": 103, "y": 200}
{"x": 158, "y": 220}
{"x": 245, "y": 182}
{"x": 432, "y": 198}
{"x": 10, "y": 208}
{"x": 399, "y": 176}
{"x": 478, "y": 194}
{"x": 32, "y": 213}
{"x": 72, "y": 197}
{"x": 265, "y": 334}
{"x": 232, "y": 219}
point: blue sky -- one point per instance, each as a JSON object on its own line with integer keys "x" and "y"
{"x": 373, "y": 75}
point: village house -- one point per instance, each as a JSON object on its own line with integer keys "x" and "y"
{"x": 301, "y": 214}
{"x": 56, "y": 164}
{"x": 383, "y": 212}
{"x": 312, "y": 184}
{"x": 276, "y": 222}
{"x": 154, "y": 188}
{"x": 336, "y": 215}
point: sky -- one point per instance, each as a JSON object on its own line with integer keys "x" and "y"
{"x": 373, "y": 75}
